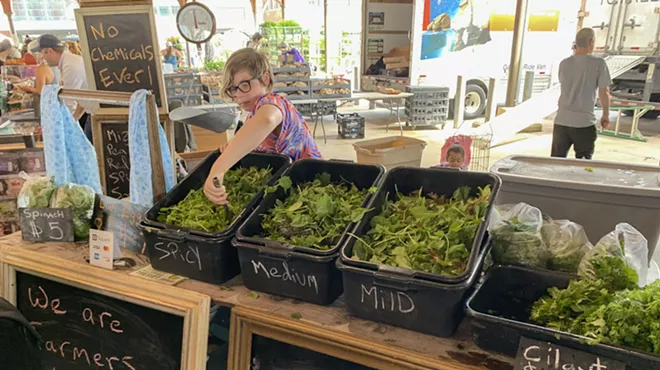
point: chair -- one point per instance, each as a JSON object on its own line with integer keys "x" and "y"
{"x": 19, "y": 342}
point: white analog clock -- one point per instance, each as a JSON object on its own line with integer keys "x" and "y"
{"x": 196, "y": 23}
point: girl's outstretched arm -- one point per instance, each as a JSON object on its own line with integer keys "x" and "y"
{"x": 253, "y": 133}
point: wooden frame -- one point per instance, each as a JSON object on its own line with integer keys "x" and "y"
{"x": 120, "y": 115}
{"x": 193, "y": 307}
{"x": 123, "y": 9}
{"x": 246, "y": 322}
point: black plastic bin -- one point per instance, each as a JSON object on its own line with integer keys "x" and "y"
{"x": 500, "y": 307}
{"x": 298, "y": 272}
{"x": 407, "y": 180}
{"x": 197, "y": 254}
{"x": 392, "y": 296}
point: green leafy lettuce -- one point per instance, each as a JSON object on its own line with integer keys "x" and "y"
{"x": 197, "y": 212}
{"x": 80, "y": 198}
{"x": 36, "y": 192}
{"x": 425, "y": 233}
{"x": 314, "y": 214}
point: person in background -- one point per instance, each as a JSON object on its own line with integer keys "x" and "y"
{"x": 171, "y": 55}
{"x": 272, "y": 126}
{"x": 255, "y": 41}
{"x": 26, "y": 45}
{"x": 580, "y": 76}
{"x": 45, "y": 75}
{"x": 72, "y": 70}
{"x": 455, "y": 158}
{"x": 290, "y": 51}
{"x": 8, "y": 51}
{"x": 73, "y": 47}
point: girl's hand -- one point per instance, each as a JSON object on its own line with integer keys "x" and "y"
{"x": 214, "y": 190}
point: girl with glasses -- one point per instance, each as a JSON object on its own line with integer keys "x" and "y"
{"x": 272, "y": 126}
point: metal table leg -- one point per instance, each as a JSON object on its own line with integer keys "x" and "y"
{"x": 398, "y": 116}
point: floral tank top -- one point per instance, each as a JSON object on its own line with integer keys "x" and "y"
{"x": 294, "y": 138}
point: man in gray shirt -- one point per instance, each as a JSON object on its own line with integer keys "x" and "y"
{"x": 580, "y": 76}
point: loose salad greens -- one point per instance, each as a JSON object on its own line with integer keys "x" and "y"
{"x": 431, "y": 233}
{"x": 314, "y": 214}
{"x": 197, "y": 212}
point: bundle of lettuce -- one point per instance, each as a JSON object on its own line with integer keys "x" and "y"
{"x": 41, "y": 192}
{"x": 611, "y": 303}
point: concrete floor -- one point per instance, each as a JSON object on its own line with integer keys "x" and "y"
{"x": 607, "y": 148}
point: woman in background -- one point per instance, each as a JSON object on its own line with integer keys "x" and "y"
{"x": 290, "y": 51}
{"x": 74, "y": 47}
{"x": 171, "y": 55}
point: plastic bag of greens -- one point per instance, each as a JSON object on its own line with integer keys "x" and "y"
{"x": 516, "y": 233}
{"x": 567, "y": 244}
{"x": 620, "y": 258}
{"x": 36, "y": 191}
{"x": 80, "y": 198}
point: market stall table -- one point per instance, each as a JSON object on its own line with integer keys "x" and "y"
{"x": 371, "y": 96}
{"x": 324, "y": 329}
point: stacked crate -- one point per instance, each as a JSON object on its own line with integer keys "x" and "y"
{"x": 211, "y": 84}
{"x": 328, "y": 88}
{"x": 429, "y": 106}
{"x": 292, "y": 81}
{"x": 350, "y": 126}
{"x": 186, "y": 87}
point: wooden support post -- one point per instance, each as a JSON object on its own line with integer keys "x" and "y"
{"x": 490, "y": 102}
{"x": 528, "y": 85}
{"x": 157, "y": 170}
{"x": 459, "y": 101}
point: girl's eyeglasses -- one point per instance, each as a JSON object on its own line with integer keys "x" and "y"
{"x": 244, "y": 86}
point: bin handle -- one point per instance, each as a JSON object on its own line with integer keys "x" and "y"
{"x": 341, "y": 160}
{"x": 172, "y": 235}
{"x": 393, "y": 277}
{"x": 274, "y": 254}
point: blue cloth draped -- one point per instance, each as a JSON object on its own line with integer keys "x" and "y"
{"x": 138, "y": 147}
{"x": 70, "y": 157}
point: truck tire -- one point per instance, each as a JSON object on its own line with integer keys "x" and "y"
{"x": 652, "y": 114}
{"x": 477, "y": 94}
{"x": 475, "y": 101}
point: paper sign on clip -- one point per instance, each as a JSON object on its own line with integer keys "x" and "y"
{"x": 101, "y": 249}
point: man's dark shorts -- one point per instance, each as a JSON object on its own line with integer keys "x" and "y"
{"x": 582, "y": 139}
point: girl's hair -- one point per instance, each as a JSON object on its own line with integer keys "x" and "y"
{"x": 456, "y": 148}
{"x": 248, "y": 60}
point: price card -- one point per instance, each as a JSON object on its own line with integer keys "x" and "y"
{"x": 541, "y": 355}
{"x": 101, "y": 249}
{"x": 46, "y": 224}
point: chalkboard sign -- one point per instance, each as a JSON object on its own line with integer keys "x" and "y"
{"x": 116, "y": 159}
{"x": 46, "y": 224}
{"x": 85, "y": 330}
{"x": 540, "y": 355}
{"x": 122, "y": 219}
{"x": 121, "y": 48}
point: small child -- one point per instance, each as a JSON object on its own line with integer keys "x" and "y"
{"x": 455, "y": 158}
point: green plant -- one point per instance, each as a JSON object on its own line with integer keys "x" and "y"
{"x": 176, "y": 42}
{"x": 197, "y": 212}
{"x": 425, "y": 233}
{"x": 314, "y": 214}
{"x": 214, "y": 65}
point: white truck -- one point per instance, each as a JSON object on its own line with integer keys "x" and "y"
{"x": 629, "y": 28}
{"x": 472, "y": 38}
{"x": 481, "y": 32}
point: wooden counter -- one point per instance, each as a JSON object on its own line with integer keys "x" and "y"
{"x": 325, "y": 329}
